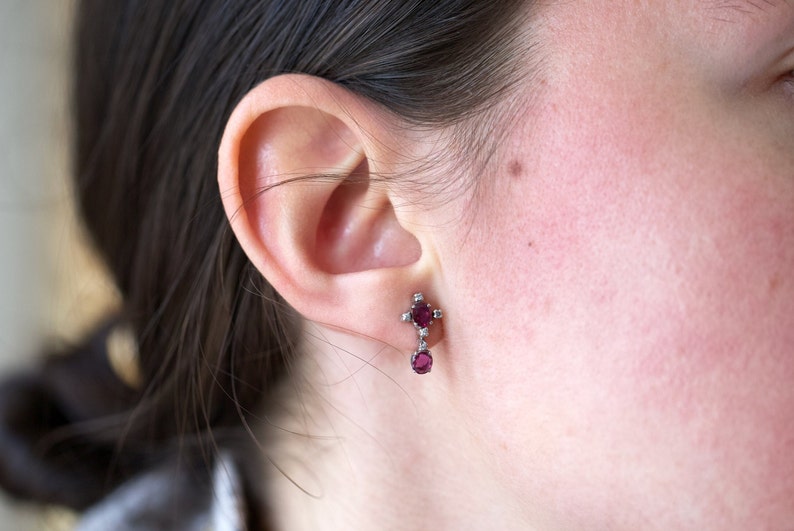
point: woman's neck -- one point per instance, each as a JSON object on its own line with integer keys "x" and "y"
{"x": 355, "y": 449}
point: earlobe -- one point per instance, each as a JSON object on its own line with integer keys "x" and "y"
{"x": 297, "y": 179}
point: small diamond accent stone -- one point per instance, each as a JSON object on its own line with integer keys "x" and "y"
{"x": 406, "y": 317}
{"x": 437, "y": 314}
{"x": 423, "y": 332}
{"x": 422, "y": 344}
{"x": 418, "y": 297}
{"x": 422, "y": 362}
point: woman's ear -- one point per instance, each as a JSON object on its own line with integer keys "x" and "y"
{"x": 298, "y": 167}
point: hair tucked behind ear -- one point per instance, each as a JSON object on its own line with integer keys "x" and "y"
{"x": 155, "y": 82}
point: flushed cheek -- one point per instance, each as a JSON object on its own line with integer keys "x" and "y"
{"x": 714, "y": 365}
{"x": 667, "y": 223}
{"x": 647, "y": 276}
{"x": 641, "y": 259}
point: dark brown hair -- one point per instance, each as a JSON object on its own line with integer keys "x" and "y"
{"x": 155, "y": 82}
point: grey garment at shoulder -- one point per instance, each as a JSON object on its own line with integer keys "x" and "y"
{"x": 168, "y": 498}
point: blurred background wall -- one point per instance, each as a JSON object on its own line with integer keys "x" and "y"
{"x": 33, "y": 145}
{"x": 51, "y": 289}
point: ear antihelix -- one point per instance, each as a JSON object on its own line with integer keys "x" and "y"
{"x": 359, "y": 230}
{"x": 293, "y": 143}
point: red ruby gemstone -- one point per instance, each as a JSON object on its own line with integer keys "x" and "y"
{"x": 422, "y": 362}
{"x": 421, "y": 314}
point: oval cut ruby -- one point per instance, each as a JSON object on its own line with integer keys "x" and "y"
{"x": 422, "y": 362}
{"x": 421, "y": 314}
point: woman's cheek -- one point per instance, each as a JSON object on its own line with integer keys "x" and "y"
{"x": 643, "y": 282}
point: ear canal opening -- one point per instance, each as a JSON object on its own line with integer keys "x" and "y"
{"x": 359, "y": 230}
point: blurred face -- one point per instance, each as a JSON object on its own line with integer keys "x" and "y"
{"x": 630, "y": 339}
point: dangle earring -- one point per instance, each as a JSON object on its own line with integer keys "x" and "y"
{"x": 422, "y": 317}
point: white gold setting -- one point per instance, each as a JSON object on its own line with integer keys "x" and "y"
{"x": 421, "y": 315}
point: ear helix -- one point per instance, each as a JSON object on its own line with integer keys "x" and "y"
{"x": 422, "y": 317}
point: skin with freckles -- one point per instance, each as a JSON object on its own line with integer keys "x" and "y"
{"x": 643, "y": 261}
{"x": 617, "y": 348}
